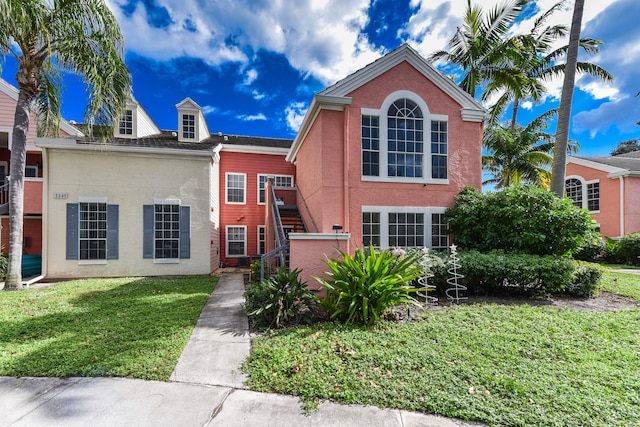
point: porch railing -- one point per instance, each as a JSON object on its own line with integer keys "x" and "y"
{"x": 4, "y": 197}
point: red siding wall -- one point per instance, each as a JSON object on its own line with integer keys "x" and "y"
{"x": 32, "y": 243}
{"x": 250, "y": 214}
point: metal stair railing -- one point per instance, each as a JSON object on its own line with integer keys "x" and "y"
{"x": 307, "y": 213}
{"x": 4, "y": 195}
{"x": 282, "y": 245}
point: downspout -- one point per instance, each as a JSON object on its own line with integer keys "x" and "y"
{"x": 345, "y": 172}
{"x": 45, "y": 211}
{"x": 621, "y": 205}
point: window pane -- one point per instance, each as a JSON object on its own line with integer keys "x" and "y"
{"x": 167, "y": 231}
{"x": 92, "y": 226}
{"x": 404, "y": 146}
{"x": 370, "y": 146}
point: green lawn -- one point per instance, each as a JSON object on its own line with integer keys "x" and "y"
{"x": 627, "y": 285}
{"x": 127, "y": 327}
{"x": 502, "y": 365}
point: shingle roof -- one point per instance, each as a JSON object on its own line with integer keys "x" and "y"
{"x": 629, "y": 163}
{"x": 633, "y": 154}
{"x": 167, "y": 139}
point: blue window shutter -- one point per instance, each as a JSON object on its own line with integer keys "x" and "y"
{"x": 72, "y": 231}
{"x": 147, "y": 239}
{"x": 185, "y": 232}
{"x": 112, "y": 231}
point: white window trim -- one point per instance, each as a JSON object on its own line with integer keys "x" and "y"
{"x": 264, "y": 232}
{"x": 165, "y": 260}
{"x": 585, "y": 194}
{"x": 9, "y": 132}
{"x": 269, "y": 175}
{"x": 383, "y": 124}
{"x": 6, "y": 170}
{"x": 226, "y": 241}
{"x": 226, "y": 188}
{"x": 384, "y": 212}
{"x": 134, "y": 124}
{"x": 90, "y": 261}
{"x": 196, "y": 124}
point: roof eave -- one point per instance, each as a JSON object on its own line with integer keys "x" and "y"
{"x": 320, "y": 102}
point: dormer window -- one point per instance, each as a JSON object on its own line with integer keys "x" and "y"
{"x": 188, "y": 126}
{"x": 126, "y": 123}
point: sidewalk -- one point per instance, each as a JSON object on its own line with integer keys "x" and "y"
{"x": 206, "y": 389}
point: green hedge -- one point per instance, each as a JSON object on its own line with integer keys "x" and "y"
{"x": 507, "y": 273}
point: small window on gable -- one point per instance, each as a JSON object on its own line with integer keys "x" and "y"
{"x": 189, "y": 126}
{"x": 126, "y": 123}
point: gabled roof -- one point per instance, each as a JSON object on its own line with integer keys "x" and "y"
{"x": 335, "y": 96}
{"x": 13, "y": 93}
{"x": 407, "y": 53}
{"x": 615, "y": 165}
{"x": 188, "y": 103}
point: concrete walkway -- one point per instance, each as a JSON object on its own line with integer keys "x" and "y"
{"x": 206, "y": 389}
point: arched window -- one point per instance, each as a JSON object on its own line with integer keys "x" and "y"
{"x": 404, "y": 142}
{"x": 405, "y": 139}
{"x": 573, "y": 187}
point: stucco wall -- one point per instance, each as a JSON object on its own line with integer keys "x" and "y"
{"x": 308, "y": 252}
{"x": 321, "y": 157}
{"x": 129, "y": 181}
{"x": 632, "y": 205}
{"x": 609, "y": 215}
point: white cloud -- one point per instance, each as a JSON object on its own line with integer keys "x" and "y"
{"x": 252, "y": 118}
{"x": 319, "y": 38}
{"x": 295, "y": 112}
{"x": 526, "y": 105}
{"x": 208, "y": 109}
{"x": 250, "y": 77}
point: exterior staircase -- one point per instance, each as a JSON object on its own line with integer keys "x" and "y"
{"x": 291, "y": 219}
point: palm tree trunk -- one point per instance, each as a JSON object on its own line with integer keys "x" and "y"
{"x": 558, "y": 169}
{"x": 514, "y": 113}
{"x": 16, "y": 190}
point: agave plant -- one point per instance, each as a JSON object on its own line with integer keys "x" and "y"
{"x": 280, "y": 300}
{"x": 364, "y": 286}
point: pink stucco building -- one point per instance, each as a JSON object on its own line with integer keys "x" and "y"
{"x": 609, "y": 187}
{"x": 381, "y": 155}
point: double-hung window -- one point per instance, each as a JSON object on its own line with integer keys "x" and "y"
{"x": 167, "y": 234}
{"x": 403, "y": 142}
{"x": 405, "y": 227}
{"x": 236, "y": 241}
{"x": 593, "y": 196}
{"x": 92, "y": 231}
{"x": 278, "y": 181}
{"x": 236, "y": 188}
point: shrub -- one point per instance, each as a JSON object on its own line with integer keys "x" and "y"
{"x": 592, "y": 249}
{"x": 612, "y": 252}
{"x": 521, "y": 219}
{"x": 500, "y": 272}
{"x": 630, "y": 249}
{"x": 4, "y": 266}
{"x": 585, "y": 279}
{"x": 362, "y": 288}
{"x": 281, "y": 300}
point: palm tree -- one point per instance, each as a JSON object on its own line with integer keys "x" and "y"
{"x": 534, "y": 64}
{"x": 559, "y": 168}
{"x": 519, "y": 155}
{"x": 48, "y": 37}
{"x": 481, "y": 43}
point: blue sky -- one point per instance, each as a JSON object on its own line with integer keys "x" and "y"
{"x": 254, "y": 65}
